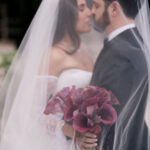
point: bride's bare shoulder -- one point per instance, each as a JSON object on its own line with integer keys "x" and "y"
{"x": 57, "y": 61}
{"x": 56, "y": 54}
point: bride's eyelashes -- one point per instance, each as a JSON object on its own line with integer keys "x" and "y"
{"x": 82, "y": 7}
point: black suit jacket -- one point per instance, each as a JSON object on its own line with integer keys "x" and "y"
{"x": 121, "y": 67}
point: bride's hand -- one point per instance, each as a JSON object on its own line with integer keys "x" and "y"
{"x": 68, "y": 130}
{"x": 87, "y": 140}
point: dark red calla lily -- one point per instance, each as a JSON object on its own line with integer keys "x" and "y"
{"x": 81, "y": 123}
{"x": 96, "y": 129}
{"x": 91, "y": 109}
{"x": 63, "y": 93}
{"x": 76, "y": 96}
{"x": 88, "y": 102}
{"x": 54, "y": 105}
{"x": 89, "y": 92}
{"x": 107, "y": 114}
{"x": 104, "y": 95}
{"x": 68, "y": 113}
{"x": 76, "y": 112}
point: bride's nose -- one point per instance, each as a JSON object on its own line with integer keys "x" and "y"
{"x": 89, "y": 12}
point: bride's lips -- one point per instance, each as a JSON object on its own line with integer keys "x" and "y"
{"x": 88, "y": 21}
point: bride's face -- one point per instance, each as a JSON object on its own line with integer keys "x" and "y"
{"x": 83, "y": 24}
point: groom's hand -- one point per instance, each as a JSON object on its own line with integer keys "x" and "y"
{"x": 87, "y": 140}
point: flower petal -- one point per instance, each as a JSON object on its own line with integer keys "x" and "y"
{"x": 90, "y": 109}
{"x": 96, "y": 129}
{"x": 76, "y": 96}
{"x": 68, "y": 114}
{"x": 54, "y": 105}
{"x": 90, "y": 91}
{"x": 88, "y": 102}
{"x": 80, "y": 123}
{"x": 108, "y": 114}
{"x": 90, "y": 122}
{"x": 63, "y": 93}
{"x": 75, "y": 113}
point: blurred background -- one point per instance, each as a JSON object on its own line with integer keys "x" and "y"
{"x": 15, "y": 17}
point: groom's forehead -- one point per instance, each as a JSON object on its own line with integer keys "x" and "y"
{"x": 97, "y": 1}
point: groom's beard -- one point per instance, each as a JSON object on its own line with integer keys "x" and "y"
{"x": 101, "y": 25}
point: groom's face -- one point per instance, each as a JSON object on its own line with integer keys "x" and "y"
{"x": 100, "y": 14}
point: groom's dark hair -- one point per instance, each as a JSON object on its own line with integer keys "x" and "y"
{"x": 130, "y": 7}
{"x": 66, "y": 22}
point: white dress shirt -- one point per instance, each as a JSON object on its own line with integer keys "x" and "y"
{"x": 120, "y": 30}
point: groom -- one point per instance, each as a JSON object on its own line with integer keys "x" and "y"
{"x": 121, "y": 67}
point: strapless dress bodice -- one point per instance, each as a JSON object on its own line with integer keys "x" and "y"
{"x": 68, "y": 78}
{"x": 79, "y": 78}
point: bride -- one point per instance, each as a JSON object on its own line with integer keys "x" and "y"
{"x": 50, "y": 57}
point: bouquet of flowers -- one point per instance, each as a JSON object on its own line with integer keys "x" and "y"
{"x": 86, "y": 108}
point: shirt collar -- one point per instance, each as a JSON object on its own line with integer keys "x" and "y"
{"x": 120, "y": 30}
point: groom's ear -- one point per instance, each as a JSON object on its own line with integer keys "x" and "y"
{"x": 114, "y": 9}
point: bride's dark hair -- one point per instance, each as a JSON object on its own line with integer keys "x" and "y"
{"x": 67, "y": 17}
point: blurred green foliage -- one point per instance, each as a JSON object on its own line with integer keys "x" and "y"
{"x": 5, "y": 61}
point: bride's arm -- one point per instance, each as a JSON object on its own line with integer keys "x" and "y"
{"x": 54, "y": 122}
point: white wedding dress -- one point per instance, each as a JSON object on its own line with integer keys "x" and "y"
{"x": 55, "y": 139}
{"x": 77, "y": 77}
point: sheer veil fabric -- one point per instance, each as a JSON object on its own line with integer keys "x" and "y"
{"x": 28, "y": 86}
{"x": 142, "y": 22}
{"x": 143, "y": 25}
